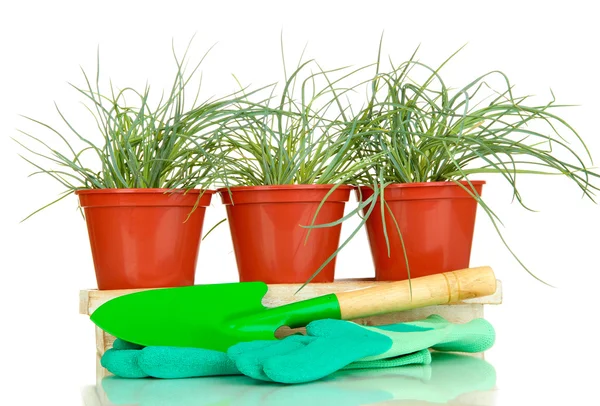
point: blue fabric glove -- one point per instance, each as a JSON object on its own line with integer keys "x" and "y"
{"x": 328, "y": 346}
{"x": 133, "y": 361}
{"x": 331, "y": 345}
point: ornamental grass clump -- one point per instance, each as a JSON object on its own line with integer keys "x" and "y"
{"x": 421, "y": 130}
{"x": 138, "y": 144}
{"x": 293, "y": 140}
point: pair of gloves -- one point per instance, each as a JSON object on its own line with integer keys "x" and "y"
{"x": 328, "y": 346}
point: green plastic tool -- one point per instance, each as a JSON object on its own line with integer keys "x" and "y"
{"x": 221, "y": 315}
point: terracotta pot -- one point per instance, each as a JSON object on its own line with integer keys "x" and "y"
{"x": 436, "y": 219}
{"x": 143, "y": 238}
{"x": 268, "y": 237}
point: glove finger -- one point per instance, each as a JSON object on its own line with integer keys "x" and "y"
{"x": 434, "y": 321}
{"x": 407, "y": 343}
{"x": 422, "y": 357}
{"x": 372, "y": 341}
{"x": 176, "y": 362}
{"x": 332, "y": 328}
{"x": 403, "y": 328}
{"x": 478, "y": 335}
{"x": 341, "y": 328}
{"x": 123, "y": 363}
{"x": 323, "y": 356}
{"x": 241, "y": 348}
{"x": 249, "y": 357}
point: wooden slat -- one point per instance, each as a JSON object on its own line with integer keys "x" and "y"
{"x": 277, "y": 295}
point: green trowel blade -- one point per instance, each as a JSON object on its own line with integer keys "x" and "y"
{"x": 205, "y": 316}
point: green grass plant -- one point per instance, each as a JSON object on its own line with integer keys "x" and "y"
{"x": 138, "y": 144}
{"x": 421, "y": 130}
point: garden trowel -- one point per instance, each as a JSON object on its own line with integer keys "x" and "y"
{"x": 220, "y": 315}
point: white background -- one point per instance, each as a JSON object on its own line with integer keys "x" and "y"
{"x": 546, "y": 339}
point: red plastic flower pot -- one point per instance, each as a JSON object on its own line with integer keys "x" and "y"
{"x": 436, "y": 219}
{"x": 143, "y": 238}
{"x": 268, "y": 238}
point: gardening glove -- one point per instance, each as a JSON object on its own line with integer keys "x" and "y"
{"x": 129, "y": 360}
{"x": 448, "y": 376}
{"x": 331, "y": 345}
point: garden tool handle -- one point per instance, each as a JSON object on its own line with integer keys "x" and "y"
{"x": 439, "y": 289}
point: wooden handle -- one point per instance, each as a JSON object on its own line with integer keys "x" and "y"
{"x": 429, "y": 290}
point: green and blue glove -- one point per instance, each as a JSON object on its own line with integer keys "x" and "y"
{"x": 328, "y": 346}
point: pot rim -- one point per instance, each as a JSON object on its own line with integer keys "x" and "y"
{"x": 265, "y": 188}
{"x": 427, "y": 184}
{"x": 142, "y": 191}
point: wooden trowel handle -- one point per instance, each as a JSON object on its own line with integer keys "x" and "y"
{"x": 430, "y": 290}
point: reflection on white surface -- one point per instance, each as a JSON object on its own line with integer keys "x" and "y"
{"x": 454, "y": 378}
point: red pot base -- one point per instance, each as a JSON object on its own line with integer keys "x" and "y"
{"x": 143, "y": 238}
{"x": 437, "y": 221}
{"x": 268, "y": 238}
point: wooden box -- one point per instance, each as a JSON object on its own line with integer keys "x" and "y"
{"x": 461, "y": 312}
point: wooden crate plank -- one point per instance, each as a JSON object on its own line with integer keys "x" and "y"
{"x": 277, "y": 295}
